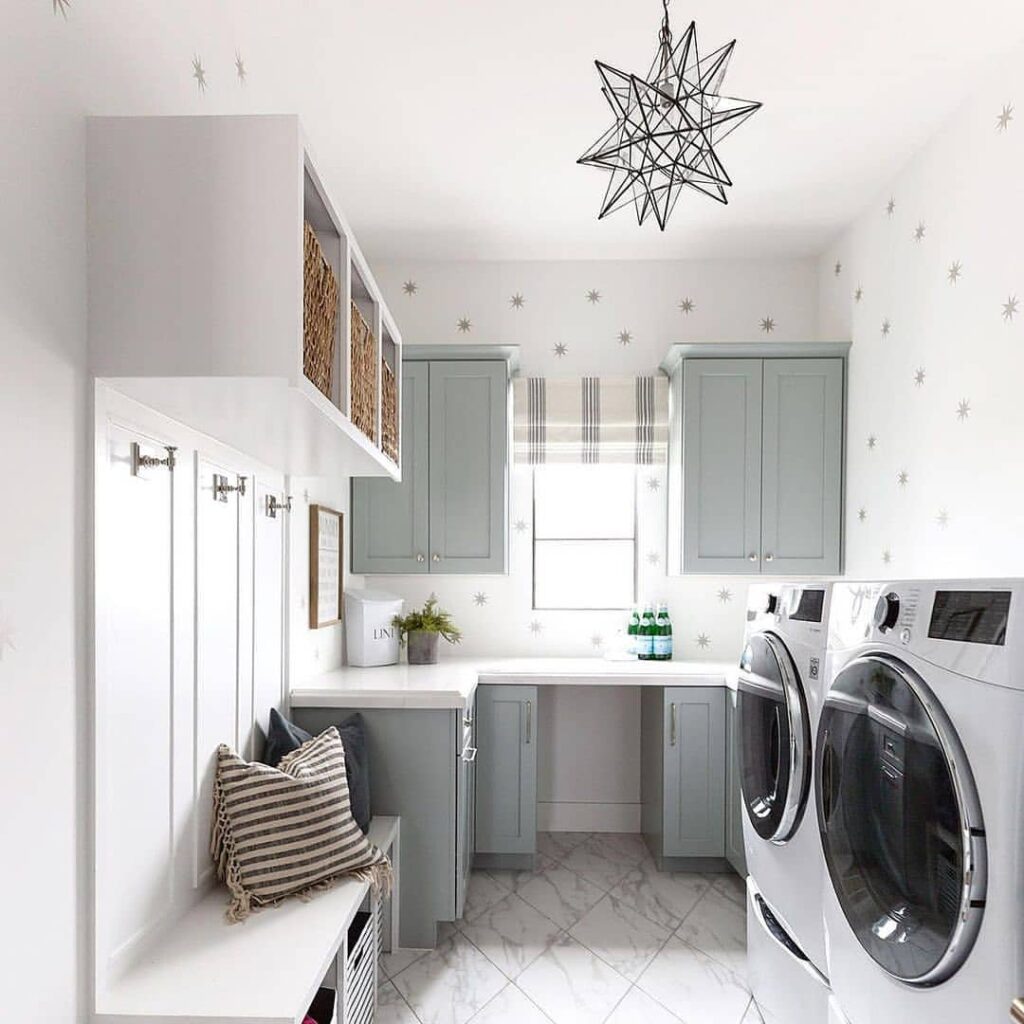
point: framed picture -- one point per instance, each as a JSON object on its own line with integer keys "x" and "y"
{"x": 325, "y": 566}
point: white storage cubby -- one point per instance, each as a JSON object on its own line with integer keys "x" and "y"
{"x": 195, "y": 233}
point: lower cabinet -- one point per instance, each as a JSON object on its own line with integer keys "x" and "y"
{"x": 422, "y": 768}
{"x": 683, "y": 736}
{"x": 506, "y": 798}
{"x": 734, "y": 852}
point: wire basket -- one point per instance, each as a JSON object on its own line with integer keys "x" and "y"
{"x": 363, "y": 393}
{"x": 389, "y": 412}
{"x": 319, "y": 314}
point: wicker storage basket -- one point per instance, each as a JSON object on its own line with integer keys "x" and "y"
{"x": 363, "y": 394}
{"x": 319, "y": 314}
{"x": 389, "y": 412}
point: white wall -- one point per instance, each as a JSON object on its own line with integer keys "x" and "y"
{"x": 961, "y": 509}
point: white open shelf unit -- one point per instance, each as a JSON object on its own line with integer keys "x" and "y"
{"x": 196, "y": 286}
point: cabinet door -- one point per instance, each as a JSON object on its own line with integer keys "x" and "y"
{"x": 506, "y": 795}
{"x": 390, "y": 520}
{"x": 734, "y": 852}
{"x": 802, "y": 466}
{"x": 722, "y": 465}
{"x": 468, "y": 466}
{"x": 694, "y": 772}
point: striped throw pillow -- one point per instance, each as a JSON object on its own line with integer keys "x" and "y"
{"x": 289, "y": 830}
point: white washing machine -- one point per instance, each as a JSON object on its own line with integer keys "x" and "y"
{"x": 779, "y": 693}
{"x": 919, "y": 783}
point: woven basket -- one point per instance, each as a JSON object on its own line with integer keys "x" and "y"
{"x": 319, "y": 314}
{"x": 389, "y": 412}
{"x": 363, "y": 394}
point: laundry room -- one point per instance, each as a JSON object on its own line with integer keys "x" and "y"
{"x": 513, "y": 515}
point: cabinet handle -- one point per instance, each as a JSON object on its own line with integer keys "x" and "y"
{"x": 768, "y": 557}
{"x": 672, "y": 724}
{"x": 421, "y": 557}
{"x": 529, "y": 721}
{"x": 752, "y": 556}
{"x": 435, "y": 557}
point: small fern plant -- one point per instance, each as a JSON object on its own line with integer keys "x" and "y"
{"x": 428, "y": 619}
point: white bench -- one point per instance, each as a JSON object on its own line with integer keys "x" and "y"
{"x": 264, "y": 970}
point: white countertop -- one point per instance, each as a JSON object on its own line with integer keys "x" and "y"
{"x": 451, "y": 682}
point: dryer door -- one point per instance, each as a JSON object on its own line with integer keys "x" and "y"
{"x": 900, "y": 820}
{"x": 775, "y": 738}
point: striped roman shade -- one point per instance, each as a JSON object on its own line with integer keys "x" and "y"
{"x": 288, "y": 830}
{"x": 593, "y": 419}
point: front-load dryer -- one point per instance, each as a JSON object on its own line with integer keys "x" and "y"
{"x": 779, "y": 692}
{"x": 920, "y": 800}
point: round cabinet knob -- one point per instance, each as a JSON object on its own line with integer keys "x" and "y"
{"x": 752, "y": 556}
{"x": 435, "y": 557}
{"x": 768, "y": 557}
{"x": 887, "y": 612}
{"x": 421, "y": 558}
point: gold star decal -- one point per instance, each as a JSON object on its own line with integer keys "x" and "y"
{"x": 886, "y": 327}
{"x": 593, "y": 296}
{"x": 954, "y": 272}
{"x": 942, "y": 519}
{"x": 890, "y": 207}
{"x": 517, "y": 301}
{"x": 862, "y": 514}
{"x": 464, "y": 324}
{"x": 838, "y": 268}
{"x": 902, "y": 478}
{"x": 725, "y": 595}
{"x": 767, "y": 325}
{"x": 560, "y": 349}
{"x": 858, "y": 294}
{"x": 240, "y": 67}
{"x": 1010, "y": 308}
{"x": 625, "y": 338}
{"x": 919, "y": 231}
{"x": 653, "y": 558}
{"x": 687, "y": 305}
{"x": 536, "y": 627}
{"x": 1005, "y": 117}
{"x": 479, "y": 599}
{"x": 919, "y": 376}
{"x": 887, "y": 556}
{"x": 872, "y": 442}
{"x": 410, "y": 287}
{"x": 703, "y": 641}
{"x": 198, "y": 73}
{"x": 520, "y": 526}
{"x": 963, "y": 409}
{"x": 596, "y": 640}
{"x": 653, "y": 483}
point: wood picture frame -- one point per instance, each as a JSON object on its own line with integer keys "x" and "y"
{"x": 326, "y": 566}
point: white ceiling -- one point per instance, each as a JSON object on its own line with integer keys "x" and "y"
{"x": 452, "y": 128}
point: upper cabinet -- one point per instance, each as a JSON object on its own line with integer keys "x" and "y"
{"x": 449, "y": 514}
{"x": 216, "y": 256}
{"x": 756, "y": 466}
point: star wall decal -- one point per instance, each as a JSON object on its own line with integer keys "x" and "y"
{"x": 887, "y": 557}
{"x": 1005, "y": 117}
{"x": 464, "y": 324}
{"x": 199, "y": 73}
{"x": 240, "y": 68}
{"x": 520, "y": 526}
{"x": 872, "y": 442}
{"x": 724, "y": 595}
{"x": 479, "y": 599}
{"x": 410, "y": 288}
{"x": 666, "y": 128}
{"x": 1010, "y": 308}
{"x": 536, "y": 627}
{"x": 593, "y": 296}
{"x": 954, "y": 272}
{"x": 625, "y": 338}
{"x": 653, "y": 483}
{"x": 963, "y": 409}
{"x": 919, "y": 231}
{"x": 838, "y": 268}
{"x": 942, "y": 519}
{"x": 653, "y": 558}
{"x": 703, "y": 641}
{"x": 858, "y": 294}
{"x": 62, "y": 7}
{"x": 919, "y": 376}
{"x": 902, "y": 478}
{"x": 767, "y": 325}
{"x": 596, "y": 640}
{"x": 886, "y": 327}
{"x": 890, "y": 207}
{"x": 560, "y": 349}
{"x": 862, "y": 514}
{"x": 687, "y": 305}
{"x": 517, "y": 301}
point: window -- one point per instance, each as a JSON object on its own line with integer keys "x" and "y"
{"x": 584, "y": 537}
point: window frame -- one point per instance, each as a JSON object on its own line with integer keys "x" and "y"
{"x": 533, "y": 550}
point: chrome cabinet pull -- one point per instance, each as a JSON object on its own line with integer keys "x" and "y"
{"x": 752, "y": 556}
{"x": 529, "y": 721}
{"x": 140, "y": 461}
{"x": 421, "y": 557}
{"x": 672, "y": 724}
{"x": 221, "y": 487}
{"x": 435, "y": 557}
{"x": 768, "y": 557}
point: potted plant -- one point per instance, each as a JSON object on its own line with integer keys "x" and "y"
{"x": 422, "y": 629}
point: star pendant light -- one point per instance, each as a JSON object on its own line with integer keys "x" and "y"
{"x": 667, "y": 126}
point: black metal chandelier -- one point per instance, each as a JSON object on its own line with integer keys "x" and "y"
{"x": 666, "y": 128}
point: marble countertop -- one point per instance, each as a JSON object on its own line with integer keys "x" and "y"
{"x": 451, "y": 682}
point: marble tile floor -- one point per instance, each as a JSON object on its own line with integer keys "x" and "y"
{"x": 594, "y": 935}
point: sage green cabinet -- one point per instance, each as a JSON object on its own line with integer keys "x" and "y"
{"x": 449, "y": 514}
{"x": 757, "y": 466}
{"x": 506, "y": 794}
{"x": 683, "y": 773}
{"x": 734, "y": 851}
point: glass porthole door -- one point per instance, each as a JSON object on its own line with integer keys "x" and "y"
{"x": 900, "y": 821}
{"x": 775, "y": 741}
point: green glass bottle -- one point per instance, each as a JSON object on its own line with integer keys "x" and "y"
{"x": 633, "y": 631}
{"x": 646, "y": 636}
{"x": 663, "y": 637}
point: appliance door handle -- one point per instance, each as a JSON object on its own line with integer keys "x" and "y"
{"x": 469, "y": 754}
{"x": 672, "y": 724}
{"x": 529, "y": 722}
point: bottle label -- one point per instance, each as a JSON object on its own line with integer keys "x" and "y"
{"x": 662, "y": 646}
